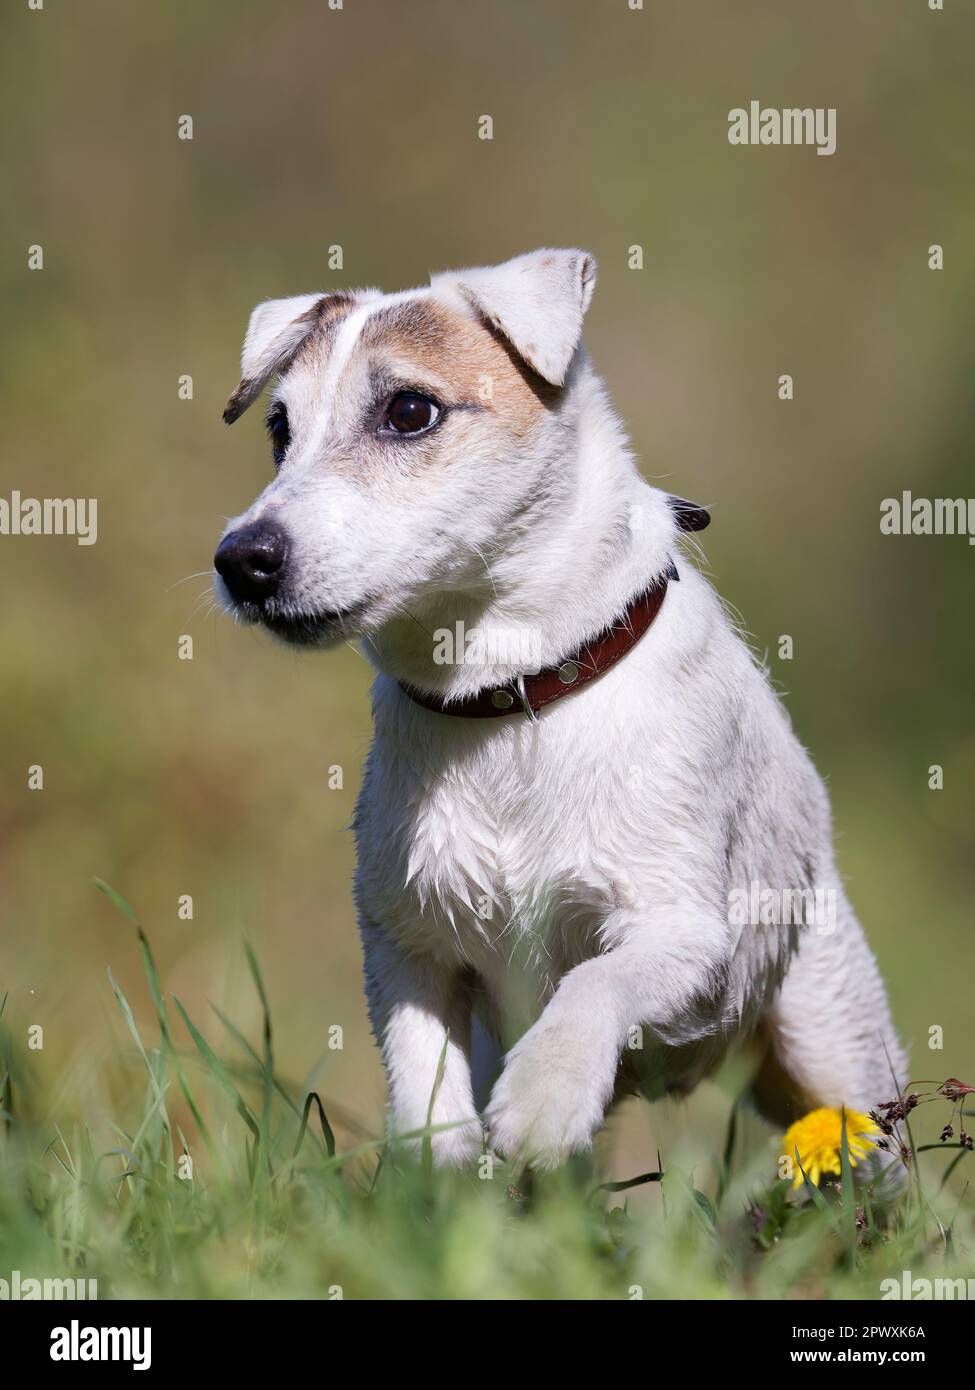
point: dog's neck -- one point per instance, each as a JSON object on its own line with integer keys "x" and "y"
{"x": 597, "y": 540}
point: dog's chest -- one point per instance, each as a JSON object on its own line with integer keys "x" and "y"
{"x": 493, "y": 853}
{"x": 503, "y": 855}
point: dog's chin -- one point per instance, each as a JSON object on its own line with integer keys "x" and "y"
{"x": 320, "y": 629}
{"x": 300, "y": 628}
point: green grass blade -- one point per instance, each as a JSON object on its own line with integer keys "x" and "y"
{"x": 130, "y": 1023}
{"x": 427, "y": 1144}
{"x": 155, "y": 991}
{"x": 848, "y": 1206}
{"x": 116, "y": 899}
{"x": 267, "y": 1066}
{"x": 239, "y": 1038}
{"x": 627, "y": 1183}
{"x": 327, "y": 1136}
{"x": 953, "y": 1164}
{"x": 814, "y": 1192}
{"x": 728, "y": 1153}
{"x": 219, "y": 1072}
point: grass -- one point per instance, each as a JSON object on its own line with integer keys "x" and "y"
{"x": 220, "y": 1181}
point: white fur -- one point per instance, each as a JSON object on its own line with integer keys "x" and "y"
{"x": 271, "y": 333}
{"x": 567, "y": 880}
{"x": 537, "y": 301}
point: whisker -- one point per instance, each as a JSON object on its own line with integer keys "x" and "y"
{"x": 200, "y": 574}
{"x": 350, "y": 643}
{"x": 487, "y": 568}
{"x": 201, "y": 602}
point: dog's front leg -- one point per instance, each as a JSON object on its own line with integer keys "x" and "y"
{"x": 558, "y": 1080}
{"x": 418, "y": 1005}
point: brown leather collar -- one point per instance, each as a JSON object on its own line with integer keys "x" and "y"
{"x": 529, "y": 694}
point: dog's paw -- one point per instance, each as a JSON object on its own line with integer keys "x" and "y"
{"x": 457, "y": 1147}
{"x": 550, "y": 1099}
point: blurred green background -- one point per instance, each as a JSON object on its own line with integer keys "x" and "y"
{"x": 358, "y": 127}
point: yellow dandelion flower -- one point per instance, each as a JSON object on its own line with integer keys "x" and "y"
{"x": 819, "y": 1138}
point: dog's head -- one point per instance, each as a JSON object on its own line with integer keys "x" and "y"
{"x": 411, "y": 433}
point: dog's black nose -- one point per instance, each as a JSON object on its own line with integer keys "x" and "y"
{"x": 250, "y": 561}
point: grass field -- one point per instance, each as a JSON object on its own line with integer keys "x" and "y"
{"x": 220, "y": 1180}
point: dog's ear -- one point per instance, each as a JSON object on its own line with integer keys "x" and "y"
{"x": 277, "y": 328}
{"x": 537, "y": 301}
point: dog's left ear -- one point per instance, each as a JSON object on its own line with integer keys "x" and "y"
{"x": 277, "y": 328}
{"x": 537, "y": 301}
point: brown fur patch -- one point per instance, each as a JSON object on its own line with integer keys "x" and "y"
{"x": 324, "y": 316}
{"x": 462, "y": 354}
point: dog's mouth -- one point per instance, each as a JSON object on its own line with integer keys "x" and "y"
{"x": 304, "y": 628}
{"x": 313, "y": 629}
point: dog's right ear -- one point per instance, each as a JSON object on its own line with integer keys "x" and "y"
{"x": 537, "y": 301}
{"x": 276, "y": 330}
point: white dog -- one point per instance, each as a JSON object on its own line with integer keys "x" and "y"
{"x": 554, "y": 852}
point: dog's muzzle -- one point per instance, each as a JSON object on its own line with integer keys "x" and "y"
{"x": 251, "y": 561}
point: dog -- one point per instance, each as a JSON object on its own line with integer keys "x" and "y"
{"x": 549, "y": 850}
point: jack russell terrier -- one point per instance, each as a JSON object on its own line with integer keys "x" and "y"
{"x": 549, "y": 850}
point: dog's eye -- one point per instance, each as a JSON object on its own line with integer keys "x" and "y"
{"x": 280, "y": 432}
{"x": 410, "y": 413}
